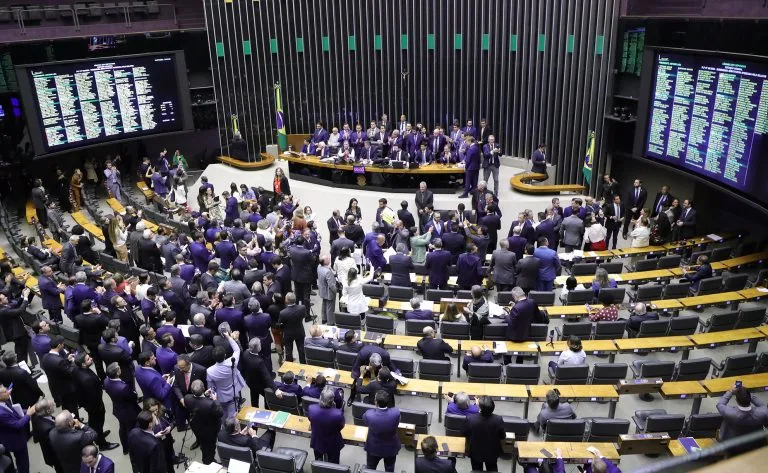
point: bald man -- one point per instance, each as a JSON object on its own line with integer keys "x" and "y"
{"x": 477, "y": 355}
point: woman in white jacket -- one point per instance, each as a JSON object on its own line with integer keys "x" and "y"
{"x": 641, "y": 234}
{"x": 357, "y": 302}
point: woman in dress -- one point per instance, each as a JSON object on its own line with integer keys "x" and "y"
{"x": 343, "y": 264}
{"x": 76, "y": 189}
{"x": 641, "y": 235}
{"x": 119, "y": 236}
{"x": 594, "y": 236}
{"x": 357, "y": 302}
{"x": 353, "y": 209}
{"x": 280, "y": 185}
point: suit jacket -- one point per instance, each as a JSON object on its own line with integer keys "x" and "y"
{"x": 88, "y": 388}
{"x": 383, "y": 439}
{"x": 326, "y": 283}
{"x": 704, "y": 271}
{"x": 205, "y": 416}
{"x": 639, "y": 201}
{"x": 302, "y": 262}
{"x": 401, "y": 266}
{"x": 256, "y": 373}
{"x": 204, "y": 332}
{"x": 180, "y": 343}
{"x": 67, "y": 445}
{"x": 472, "y": 159}
{"x": 434, "y": 465}
{"x": 147, "y": 453}
{"x": 470, "y": 269}
{"x": 520, "y": 318}
{"x": 200, "y": 256}
{"x": 125, "y": 405}
{"x": 456, "y": 243}
{"x": 437, "y": 263}
{"x": 67, "y": 259}
{"x": 437, "y": 144}
{"x": 241, "y": 440}
{"x": 688, "y": 217}
{"x": 292, "y": 319}
{"x": 111, "y": 353}
{"x": 517, "y": 245}
{"x": 572, "y": 231}
{"x": 149, "y": 256}
{"x": 153, "y": 385}
{"x": 26, "y": 392}
{"x": 564, "y": 410}
{"x": 226, "y": 252}
{"x": 91, "y": 326}
{"x": 546, "y": 228}
{"x": 13, "y": 428}
{"x": 667, "y": 200}
{"x": 41, "y": 429}
{"x": 419, "y": 314}
{"x": 203, "y": 356}
{"x": 364, "y": 357}
{"x": 180, "y": 389}
{"x": 527, "y": 272}
{"x": 434, "y": 349}
{"x": 503, "y": 264}
{"x": 326, "y": 425}
{"x": 105, "y": 465}
{"x": 49, "y": 293}
{"x": 333, "y": 227}
{"x": 549, "y": 263}
{"x": 406, "y": 217}
{"x": 610, "y": 211}
{"x": 484, "y": 435}
{"x": 737, "y": 422}
{"x": 59, "y": 373}
{"x": 424, "y": 199}
{"x": 129, "y": 323}
{"x": 538, "y": 162}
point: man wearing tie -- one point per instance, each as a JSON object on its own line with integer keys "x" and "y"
{"x": 437, "y": 226}
{"x": 369, "y": 153}
{"x": 614, "y": 215}
{"x": 14, "y": 428}
{"x": 485, "y": 131}
{"x": 422, "y": 156}
{"x": 412, "y": 140}
{"x": 95, "y": 462}
{"x": 320, "y": 135}
{"x": 398, "y": 155}
{"x": 471, "y": 166}
{"x": 437, "y": 142}
{"x": 124, "y": 402}
{"x": 663, "y": 199}
{"x": 184, "y": 374}
{"x": 334, "y": 224}
{"x": 470, "y": 130}
{"x": 686, "y": 224}
{"x": 424, "y": 198}
{"x": 402, "y": 125}
{"x": 455, "y": 138}
{"x": 491, "y": 162}
{"x": 539, "y": 161}
{"x": 635, "y": 203}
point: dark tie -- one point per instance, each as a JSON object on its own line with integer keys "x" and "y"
{"x": 423, "y": 157}
{"x": 637, "y": 194}
{"x": 435, "y": 145}
{"x": 617, "y": 210}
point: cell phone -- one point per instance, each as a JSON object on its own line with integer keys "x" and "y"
{"x": 546, "y": 453}
{"x": 738, "y": 383}
{"x": 450, "y": 394}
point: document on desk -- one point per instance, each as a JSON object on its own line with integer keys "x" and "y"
{"x": 495, "y": 310}
{"x": 690, "y": 444}
{"x": 428, "y": 305}
{"x": 236, "y": 466}
{"x": 361, "y": 433}
{"x": 400, "y": 378}
{"x": 330, "y": 373}
{"x": 197, "y": 467}
{"x": 500, "y": 347}
{"x": 280, "y": 420}
{"x": 714, "y": 237}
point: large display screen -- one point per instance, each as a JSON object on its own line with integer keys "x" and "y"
{"x": 709, "y": 115}
{"x": 89, "y": 102}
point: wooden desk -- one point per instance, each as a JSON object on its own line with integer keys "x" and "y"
{"x": 499, "y": 392}
{"x": 753, "y": 382}
{"x": 684, "y": 390}
{"x": 676, "y": 449}
{"x": 590, "y": 347}
{"x": 646, "y": 250}
{"x": 623, "y": 278}
{"x": 522, "y": 182}
{"x": 729, "y": 337}
{"x": 306, "y": 372}
{"x": 752, "y": 294}
{"x": 432, "y": 168}
{"x": 446, "y": 446}
{"x": 763, "y": 329}
{"x": 405, "y": 342}
{"x": 577, "y": 392}
{"x": 89, "y": 226}
{"x": 148, "y": 194}
{"x": 572, "y": 452}
{"x": 31, "y": 212}
{"x": 512, "y": 348}
{"x": 266, "y": 161}
{"x": 736, "y": 263}
{"x": 569, "y": 311}
{"x": 117, "y": 207}
{"x": 655, "y": 344}
{"x": 417, "y": 279}
{"x": 698, "y": 302}
{"x": 666, "y": 305}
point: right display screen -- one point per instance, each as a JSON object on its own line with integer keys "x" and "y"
{"x": 709, "y": 115}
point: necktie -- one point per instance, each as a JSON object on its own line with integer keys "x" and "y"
{"x": 186, "y": 380}
{"x": 637, "y": 194}
{"x": 423, "y": 158}
{"x": 93, "y": 470}
{"x": 617, "y": 210}
{"x": 435, "y": 145}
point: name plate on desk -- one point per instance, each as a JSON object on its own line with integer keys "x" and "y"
{"x": 650, "y": 443}
{"x": 639, "y": 386}
{"x": 358, "y": 169}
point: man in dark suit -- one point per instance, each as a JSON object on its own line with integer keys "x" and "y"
{"x": 111, "y": 352}
{"x": 748, "y": 416}
{"x": 232, "y": 434}
{"x": 255, "y": 371}
{"x": 184, "y": 374}
{"x": 26, "y": 392}
{"x": 634, "y": 204}
{"x": 429, "y": 462}
{"x": 369, "y": 359}
{"x": 484, "y": 433}
{"x": 169, "y": 326}
{"x": 205, "y": 415}
{"x": 149, "y": 254}
{"x": 424, "y": 197}
{"x": 146, "y": 451}
{"x": 405, "y": 216}
{"x": 546, "y": 228}
{"x": 57, "y": 367}
{"x": 422, "y": 156}
{"x": 12, "y": 324}
{"x": 517, "y": 242}
{"x": 436, "y": 264}
{"x": 69, "y": 256}
{"x": 686, "y": 224}
{"x": 351, "y": 343}
{"x": 471, "y": 166}
{"x": 614, "y": 218}
{"x": 199, "y": 328}
{"x": 341, "y": 242}
{"x": 334, "y": 224}
{"x": 353, "y": 231}
{"x": 302, "y": 263}
{"x": 455, "y": 242}
{"x": 696, "y": 274}
{"x": 50, "y": 293}
{"x": 68, "y": 439}
{"x": 484, "y": 132}
{"x": 527, "y": 271}
{"x": 401, "y": 266}
{"x": 326, "y": 424}
{"x": 523, "y": 313}
{"x": 14, "y": 430}
{"x": 94, "y": 462}
{"x": 432, "y": 348}
{"x": 292, "y": 320}
{"x": 150, "y": 381}
{"x": 492, "y": 224}
{"x": 201, "y": 354}
{"x": 42, "y": 425}
{"x": 539, "y": 160}
{"x": 383, "y": 441}
{"x": 91, "y": 323}
{"x": 663, "y": 199}
{"x": 89, "y": 394}
{"x": 129, "y": 322}
{"x": 125, "y": 405}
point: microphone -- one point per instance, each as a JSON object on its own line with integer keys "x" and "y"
{"x": 232, "y": 361}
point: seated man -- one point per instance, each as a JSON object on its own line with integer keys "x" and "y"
{"x": 460, "y": 404}
{"x": 351, "y": 343}
{"x": 432, "y": 348}
{"x": 416, "y": 313}
{"x": 639, "y": 315}
{"x": 430, "y": 462}
{"x": 552, "y": 408}
{"x": 477, "y": 355}
{"x": 703, "y": 270}
{"x": 316, "y": 339}
{"x": 316, "y": 387}
{"x": 232, "y": 434}
{"x": 599, "y": 463}
{"x": 383, "y": 382}
{"x": 288, "y": 385}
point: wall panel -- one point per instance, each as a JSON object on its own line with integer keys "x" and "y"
{"x": 529, "y": 80}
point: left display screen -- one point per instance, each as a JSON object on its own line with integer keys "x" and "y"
{"x": 83, "y": 103}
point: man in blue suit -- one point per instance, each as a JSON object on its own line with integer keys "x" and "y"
{"x": 517, "y": 242}
{"x": 549, "y": 265}
{"x": 200, "y": 254}
{"x": 422, "y": 156}
{"x": 401, "y": 266}
{"x": 416, "y": 313}
{"x": 383, "y": 441}
{"x": 471, "y": 167}
{"x": 375, "y": 254}
{"x": 546, "y": 228}
{"x": 151, "y": 382}
{"x": 432, "y": 348}
{"x": 125, "y": 405}
{"x": 539, "y": 161}
{"x": 14, "y": 428}
{"x": 575, "y": 208}
{"x": 470, "y": 268}
{"x": 50, "y": 293}
{"x": 437, "y": 226}
{"x": 369, "y": 359}
{"x": 326, "y": 424}
{"x": 437, "y": 142}
{"x": 169, "y": 326}
{"x": 436, "y": 264}
{"x": 320, "y": 135}
{"x": 225, "y": 250}
{"x": 231, "y": 209}
{"x": 703, "y": 271}
{"x": 429, "y": 462}
{"x": 95, "y": 462}
{"x": 471, "y": 130}
{"x": 82, "y": 291}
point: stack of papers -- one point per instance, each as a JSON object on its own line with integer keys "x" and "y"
{"x": 390, "y": 251}
{"x": 500, "y": 347}
{"x": 714, "y": 237}
{"x": 261, "y": 417}
{"x": 400, "y": 378}
{"x": 330, "y": 373}
{"x": 495, "y": 310}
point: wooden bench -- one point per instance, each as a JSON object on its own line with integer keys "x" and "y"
{"x": 266, "y": 161}
{"x": 522, "y": 182}
{"x": 31, "y": 212}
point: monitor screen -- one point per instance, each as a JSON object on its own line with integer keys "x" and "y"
{"x": 709, "y": 115}
{"x": 81, "y": 103}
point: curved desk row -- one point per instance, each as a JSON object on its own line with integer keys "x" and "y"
{"x": 265, "y": 162}
{"x": 522, "y": 183}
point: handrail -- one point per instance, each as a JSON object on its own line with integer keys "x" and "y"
{"x": 74, "y": 10}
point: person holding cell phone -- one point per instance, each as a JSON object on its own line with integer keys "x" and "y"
{"x": 750, "y": 414}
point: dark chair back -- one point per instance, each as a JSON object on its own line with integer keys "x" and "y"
{"x": 307, "y": 401}
{"x": 379, "y": 324}
{"x": 539, "y": 332}
{"x": 720, "y": 254}
{"x": 723, "y": 321}
{"x": 579, "y": 296}
{"x": 609, "y": 373}
{"x": 606, "y": 430}
{"x": 605, "y": 330}
{"x": 676, "y": 290}
{"x": 670, "y": 423}
{"x": 320, "y": 356}
{"x": 504, "y": 298}
{"x": 420, "y": 268}
{"x": 374, "y": 290}
{"x": 288, "y": 403}
{"x": 522, "y": 374}
{"x": 614, "y": 267}
{"x": 348, "y": 321}
{"x": 405, "y": 365}
{"x": 683, "y": 325}
{"x": 695, "y": 255}
{"x": 565, "y": 430}
{"x": 571, "y": 374}
{"x": 693, "y": 370}
{"x": 582, "y": 330}
{"x": 497, "y": 332}
{"x": 617, "y": 293}
{"x": 227, "y": 452}
{"x": 454, "y": 330}
{"x": 71, "y": 336}
{"x": 454, "y": 424}
{"x": 435, "y": 295}
{"x": 750, "y": 316}
{"x": 484, "y": 373}
{"x": 358, "y": 409}
{"x": 703, "y": 425}
{"x": 415, "y": 328}
{"x": 653, "y": 328}
{"x": 649, "y": 292}
{"x": 669, "y": 261}
{"x": 325, "y": 467}
{"x": 657, "y": 369}
{"x": 646, "y": 264}
{"x": 542, "y": 298}
{"x": 583, "y": 269}
{"x": 738, "y": 365}
{"x": 345, "y": 360}
{"x": 397, "y": 293}
{"x": 710, "y": 286}
{"x": 518, "y": 426}
{"x": 277, "y": 462}
{"x": 421, "y": 419}
{"x": 735, "y": 282}
{"x": 435, "y": 370}
{"x": 464, "y": 294}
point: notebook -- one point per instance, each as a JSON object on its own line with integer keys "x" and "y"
{"x": 690, "y": 444}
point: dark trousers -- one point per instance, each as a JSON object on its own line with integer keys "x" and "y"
{"x": 124, "y": 429}
{"x": 42, "y": 217}
{"x": 288, "y": 340}
{"x": 254, "y": 398}
{"x": 96, "y": 416}
{"x": 546, "y": 285}
{"x": 477, "y": 465}
{"x": 21, "y": 347}
{"x": 207, "y": 446}
{"x": 303, "y": 292}
{"x": 504, "y": 287}
{"x": 180, "y": 414}
{"x": 470, "y": 180}
{"x": 55, "y": 315}
{"x": 612, "y": 235}
{"x": 69, "y": 403}
{"x": 330, "y": 457}
{"x": 629, "y": 216}
{"x": 97, "y": 362}
{"x": 372, "y": 461}
{"x": 21, "y": 458}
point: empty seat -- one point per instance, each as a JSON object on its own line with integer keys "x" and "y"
{"x": 647, "y": 293}
{"x": 345, "y": 360}
{"x": 735, "y": 282}
{"x": 454, "y": 424}
{"x": 657, "y": 420}
{"x": 379, "y": 324}
{"x": 373, "y": 290}
{"x": 606, "y": 430}
{"x": 496, "y": 332}
{"x": 610, "y": 330}
{"x": 609, "y": 373}
{"x": 484, "y": 373}
{"x": 153, "y": 7}
{"x": 645, "y": 265}
{"x": 615, "y": 267}
{"x": 584, "y": 269}
{"x": 415, "y": 328}
{"x": 696, "y": 369}
{"x": 570, "y": 374}
{"x": 734, "y": 365}
{"x": 538, "y": 332}
{"x": 758, "y": 278}
{"x": 421, "y": 419}
{"x": 703, "y": 425}
{"x": 320, "y": 356}
{"x": 579, "y": 296}
{"x": 420, "y": 268}
{"x": 676, "y": 290}
{"x": 348, "y": 321}
{"x": 397, "y": 293}
{"x": 358, "y": 409}
{"x": 720, "y": 321}
{"x": 325, "y": 467}
{"x": 227, "y": 452}
{"x": 464, "y": 294}
{"x": 617, "y": 293}
{"x": 653, "y": 369}
{"x": 504, "y": 298}
{"x": 669, "y": 261}
{"x": 435, "y": 370}
{"x": 522, "y": 374}
{"x": 405, "y": 365}
{"x": 542, "y": 298}
{"x": 288, "y": 403}
{"x": 580, "y": 329}
{"x": 683, "y": 325}
{"x": 281, "y": 460}
{"x": 455, "y": 330}
{"x": 750, "y": 315}
{"x": 720, "y": 254}
{"x": 518, "y": 426}
{"x": 651, "y": 328}
{"x": 708, "y": 286}
{"x": 435, "y": 295}
{"x": 565, "y": 430}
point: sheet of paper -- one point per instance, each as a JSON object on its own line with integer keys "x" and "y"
{"x": 616, "y": 277}
{"x": 400, "y": 378}
{"x": 499, "y": 347}
{"x": 330, "y": 373}
{"x": 361, "y": 433}
{"x": 405, "y": 306}
{"x": 495, "y": 310}
{"x": 428, "y": 305}
{"x": 578, "y": 253}
{"x": 714, "y": 237}
{"x": 236, "y": 466}
{"x": 390, "y": 251}
{"x": 23, "y": 365}
{"x": 184, "y": 330}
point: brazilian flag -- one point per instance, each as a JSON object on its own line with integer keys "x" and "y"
{"x": 282, "y": 138}
{"x": 588, "y": 159}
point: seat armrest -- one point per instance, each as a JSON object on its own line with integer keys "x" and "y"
{"x": 634, "y": 372}
{"x": 559, "y": 332}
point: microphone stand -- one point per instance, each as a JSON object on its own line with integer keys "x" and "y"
{"x": 237, "y": 397}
